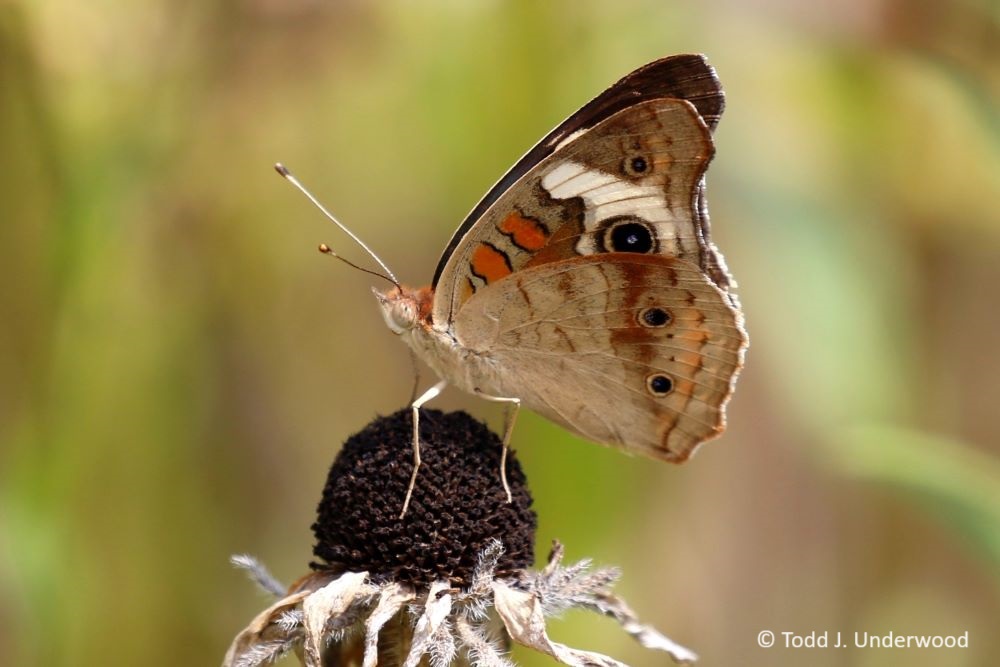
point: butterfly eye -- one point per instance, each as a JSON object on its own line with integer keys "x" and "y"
{"x": 661, "y": 385}
{"x": 635, "y": 166}
{"x": 628, "y": 234}
{"x": 654, "y": 317}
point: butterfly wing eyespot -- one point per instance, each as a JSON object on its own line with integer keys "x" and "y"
{"x": 636, "y": 166}
{"x": 659, "y": 384}
{"x": 628, "y": 233}
{"x": 654, "y": 317}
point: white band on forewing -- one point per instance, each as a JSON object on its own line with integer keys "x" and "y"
{"x": 606, "y": 196}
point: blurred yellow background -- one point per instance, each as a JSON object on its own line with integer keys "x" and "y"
{"x": 178, "y": 365}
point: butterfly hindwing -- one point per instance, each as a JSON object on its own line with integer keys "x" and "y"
{"x": 640, "y": 352}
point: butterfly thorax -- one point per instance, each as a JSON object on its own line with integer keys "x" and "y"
{"x": 407, "y": 312}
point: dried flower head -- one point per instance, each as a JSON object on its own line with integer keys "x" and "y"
{"x": 457, "y": 507}
{"x": 448, "y": 583}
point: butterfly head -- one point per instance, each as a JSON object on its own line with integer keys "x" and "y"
{"x": 402, "y": 307}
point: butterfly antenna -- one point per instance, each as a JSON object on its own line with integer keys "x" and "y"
{"x": 283, "y": 170}
{"x": 325, "y": 249}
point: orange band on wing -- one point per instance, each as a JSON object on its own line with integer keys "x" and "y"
{"x": 490, "y": 263}
{"x": 526, "y": 233}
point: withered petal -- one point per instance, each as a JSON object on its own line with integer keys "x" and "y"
{"x": 555, "y": 557}
{"x": 263, "y": 629}
{"x": 390, "y": 601}
{"x": 436, "y": 610}
{"x": 259, "y": 574}
{"x": 328, "y": 602}
{"x": 481, "y": 650}
{"x": 648, "y": 636}
{"x": 521, "y": 613}
{"x": 485, "y": 567}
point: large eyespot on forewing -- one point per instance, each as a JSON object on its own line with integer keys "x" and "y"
{"x": 627, "y": 233}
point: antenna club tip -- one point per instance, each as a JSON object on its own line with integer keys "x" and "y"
{"x": 282, "y": 169}
{"x": 325, "y": 249}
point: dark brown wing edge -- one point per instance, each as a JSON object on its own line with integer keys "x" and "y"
{"x": 687, "y": 76}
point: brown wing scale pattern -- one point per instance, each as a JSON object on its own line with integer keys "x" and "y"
{"x": 641, "y": 352}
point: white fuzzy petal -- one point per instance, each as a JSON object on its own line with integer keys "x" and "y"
{"x": 391, "y": 600}
{"x": 649, "y": 637}
{"x": 522, "y": 615}
{"x": 264, "y": 653}
{"x": 326, "y": 603}
{"x": 258, "y": 573}
{"x": 486, "y": 565}
{"x": 442, "y": 647}
{"x": 482, "y": 651}
{"x": 289, "y": 621}
{"x": 436, "y": 609}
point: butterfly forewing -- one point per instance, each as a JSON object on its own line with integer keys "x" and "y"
{"x": 684, "y": 77}
{"x": 635, "y": 175}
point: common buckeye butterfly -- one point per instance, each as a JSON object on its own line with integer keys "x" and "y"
{"x": 585, "y": 285}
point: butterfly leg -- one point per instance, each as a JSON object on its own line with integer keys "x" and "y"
{"x": 509, "y": 419}
{"x": 416, "y": 375}
{"x": 415, "y": 406}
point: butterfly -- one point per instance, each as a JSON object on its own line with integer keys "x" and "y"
{"x": 585, "y": 285}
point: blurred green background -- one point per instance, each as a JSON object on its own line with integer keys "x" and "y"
{"x": 178, "y": 365}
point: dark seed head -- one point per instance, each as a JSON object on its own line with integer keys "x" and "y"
{"x": 458, "y": 504}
